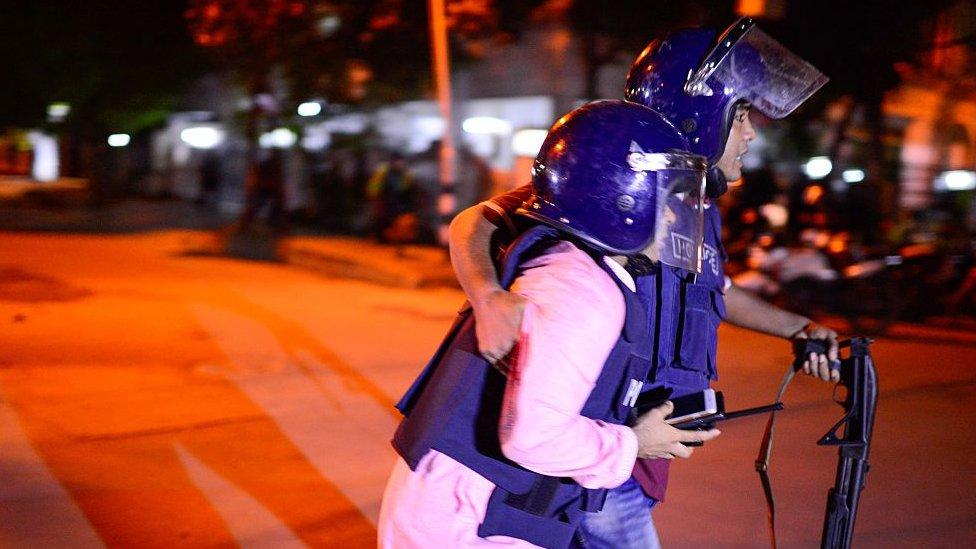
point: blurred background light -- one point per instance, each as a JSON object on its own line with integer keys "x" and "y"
{"x": 118, "y": 140}
{"x": 279, "y": 138}
{"x": 316, "y": 141}
{"x": 326, "y": 26}
{"x": 56, "y": 112}
{"x": 202, "y": 137}
{"x": 486, "y": 124}
{"x": 309, "y": 108}
{"x": 354, "y": 123}
{"x": 46, "y": 165}
{"x": 776, "y": 214}
{"x": 853, "y": 175}
{"x": 817, "y": 167}
{"x": 430, "y": 126}
{"x": 812, "y": 194}
{"x": 528, "y": 142}
{"x": 956, "y": 180}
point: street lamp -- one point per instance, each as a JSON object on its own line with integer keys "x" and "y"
{"x": 956, "y": 180}
{"x": 852, "y": 176}
{"x": 202, "y": 137}
{"x": 309, "y": 108}
{"x": 818, "y": 167}
{"x": 118, "y": 140}
{"x": 279, "y": 138}
{"x": 56, "y": 112}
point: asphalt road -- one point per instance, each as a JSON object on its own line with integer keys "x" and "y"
{"x": 150, "y": 398}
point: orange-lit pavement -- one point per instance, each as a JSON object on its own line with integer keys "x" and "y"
{"x": 151, "y": 398}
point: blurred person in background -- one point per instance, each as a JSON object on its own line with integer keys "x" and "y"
{"x": 390, "y": 192}
{"x": 705, "y": 85}
{"x": 863, "y": 212}
{"x": 265, "y": 190}
{"x": 209, "y": 180}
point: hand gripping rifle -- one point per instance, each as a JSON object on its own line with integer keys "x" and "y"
{"x": 860, "y": 380}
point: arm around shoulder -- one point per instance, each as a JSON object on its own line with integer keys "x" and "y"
{"x": 498, "y": 313}
{"x": 469, "y": 243}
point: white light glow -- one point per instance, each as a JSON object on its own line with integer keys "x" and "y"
{"x": 350, "y": 124}
{"x": 202, "y": 137}
{"x": 956, "y": 180}
{"x": 316, "y": 141}
{"x": 528, "y": 142}
{"x": 853, "y": 176}
{"x": 280, "y": 138}
{"x": 45, "y": 166}
{"x": 328, "y": 25}
{"x": 817, "y": 167}
{"x": 486, "y": 124}
{"x": 56, "y": 112}
{"x": 310, "y": 108}
{"x": 776, "y": 214}
{"x": 431, "y": 127}
{"x": 118, "y": 140}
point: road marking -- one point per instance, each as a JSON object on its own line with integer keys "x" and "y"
{"x": 252, "y": 525}
{"x": 35, "y": 510}
{"x": 336, "y": 423}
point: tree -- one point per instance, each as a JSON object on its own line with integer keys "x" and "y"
{"x": 332, "y": 48}
{"x": 608, "y": 29}
{"x": 858, "y": 45}
{"x": 105, "y": 59}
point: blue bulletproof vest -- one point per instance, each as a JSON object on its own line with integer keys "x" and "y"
{"x": 455, "y": 404}
{"x": 687, "y": 310}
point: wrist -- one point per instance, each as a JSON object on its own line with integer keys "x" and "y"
{"x": 485, "y": 294}
{"x": 797, "y": 327}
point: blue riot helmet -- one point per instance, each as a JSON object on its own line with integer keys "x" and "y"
{"x": 619, "y": 177}
{"x": 696, "y": 80}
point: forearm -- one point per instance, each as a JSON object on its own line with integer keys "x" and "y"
{"x": 470, "y": 249}
{"x": 746, "y": 310}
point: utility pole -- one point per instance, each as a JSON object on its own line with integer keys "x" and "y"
{"x": 441, "y": 65}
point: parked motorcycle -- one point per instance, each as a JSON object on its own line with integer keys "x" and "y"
{"x": 825, "y": 276}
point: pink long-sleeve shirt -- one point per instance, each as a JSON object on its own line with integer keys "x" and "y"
{"x": 573, "y": 317}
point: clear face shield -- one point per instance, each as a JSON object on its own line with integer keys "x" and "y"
{"x": 753, "y": 66}
{"x": 679, "y": 225}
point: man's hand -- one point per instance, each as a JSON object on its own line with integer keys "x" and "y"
{"x": 657, "y": 439}
{"x": 818, "y": 365}
{"x": 498, "y": 318}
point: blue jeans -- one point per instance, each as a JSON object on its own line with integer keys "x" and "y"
{"x": 624, "y": 523}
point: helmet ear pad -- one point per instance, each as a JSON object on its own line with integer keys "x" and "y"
{"x": 715, "y": 183}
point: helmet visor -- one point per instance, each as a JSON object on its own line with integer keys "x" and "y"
{"x": 679, "y": 230}
{"x": 751, "y": 65}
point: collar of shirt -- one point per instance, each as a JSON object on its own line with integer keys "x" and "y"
{"x": 621, "y": 273}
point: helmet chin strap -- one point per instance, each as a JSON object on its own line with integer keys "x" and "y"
{"x": 715, "y": 183}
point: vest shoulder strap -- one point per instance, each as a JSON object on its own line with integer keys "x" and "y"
{"x": 535, "y": 239}
{"x": 528, "y": 244}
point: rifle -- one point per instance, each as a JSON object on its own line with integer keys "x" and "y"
{"x": 858, "y": 376}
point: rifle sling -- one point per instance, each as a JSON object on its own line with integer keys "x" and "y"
{"x": 765, "y": 453}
